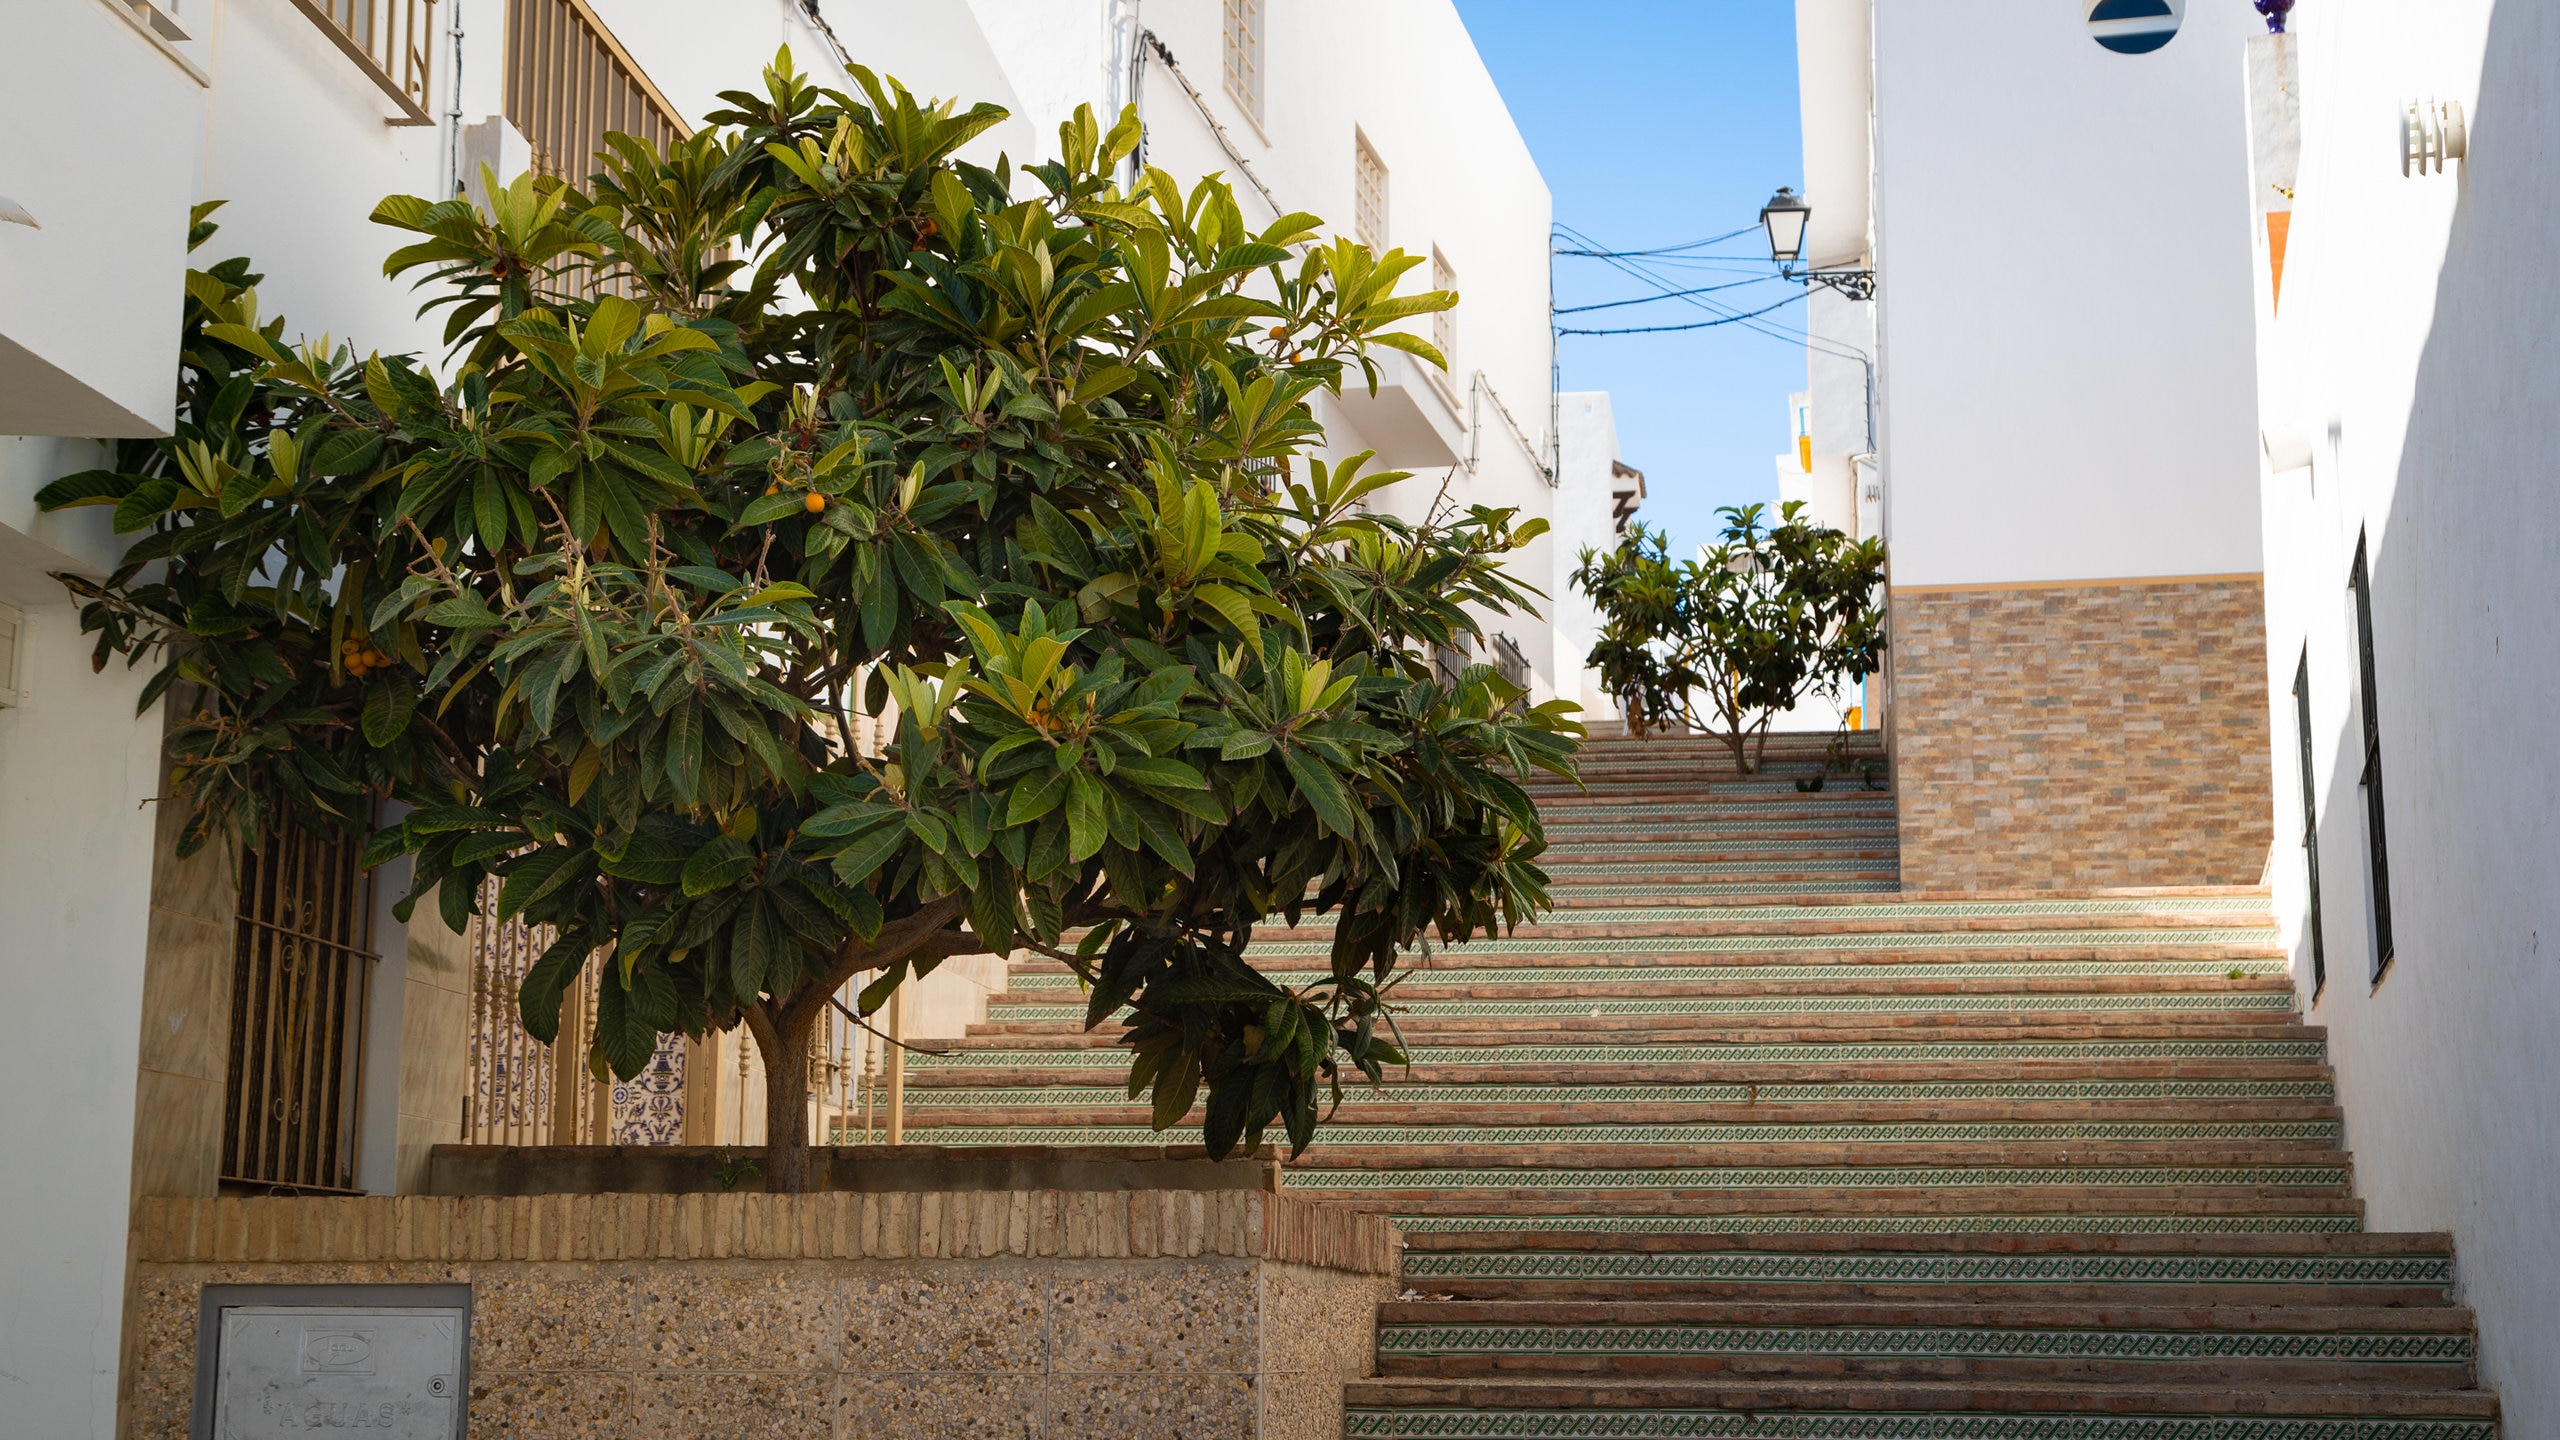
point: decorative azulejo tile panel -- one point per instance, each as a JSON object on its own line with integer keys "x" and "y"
{"x": 1896, "y": 1268}
{"x": 1363, "y": 1424}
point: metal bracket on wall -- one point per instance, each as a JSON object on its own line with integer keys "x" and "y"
{"x": 1855, "y": 284}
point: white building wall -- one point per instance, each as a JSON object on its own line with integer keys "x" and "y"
{"x": 2413, "y": 353}
{"x": 77, "y": 772}
{"x": 107, "y": 170}
{"x": 2064, "y": 293}
{"x": 1585, "y": 490}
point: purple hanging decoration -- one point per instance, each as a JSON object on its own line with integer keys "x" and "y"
{"x": 2275, "y": 11}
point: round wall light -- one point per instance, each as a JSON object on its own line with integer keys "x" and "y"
{"x": 2135, "y": 27}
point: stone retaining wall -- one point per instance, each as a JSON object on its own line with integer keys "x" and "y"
{"x": 1033, "y": 1314}
{"x": 2086, "y": 735}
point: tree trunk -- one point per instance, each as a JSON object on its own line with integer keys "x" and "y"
{"x": 1734, "y": 741}
{"x": 785, "y": 1044}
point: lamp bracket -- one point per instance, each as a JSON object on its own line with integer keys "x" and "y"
{"x": 1855, "y": 284}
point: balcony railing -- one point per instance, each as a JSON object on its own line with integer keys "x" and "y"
{"x": 570, "y": 83}
{"x": 392, "y": 41}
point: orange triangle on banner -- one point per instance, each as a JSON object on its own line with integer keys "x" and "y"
{"x": 2279, "y": 225}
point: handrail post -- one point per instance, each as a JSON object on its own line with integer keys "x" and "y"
{"x": 898, "y": 1066}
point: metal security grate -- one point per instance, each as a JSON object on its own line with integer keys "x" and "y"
{"x": 302, "y": 962}
{"x": 524, "y": 1092}
{"x": 2377, "y": 838}
{"x": 391, "y": 41}
{"x": 1444, "y": 323}
{"x": 2310, "y": 816}
{"x": 569, "y": 83}
{"x": 1369, "y": 193}
{"x": 1243, "y": 53}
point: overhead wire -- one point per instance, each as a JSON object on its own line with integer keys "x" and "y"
{"x": 1627, "y": 261}
{"x": 1735, "y": 319}
{"x": 1597, "y": 252}
{"x": 1652, "y": 299}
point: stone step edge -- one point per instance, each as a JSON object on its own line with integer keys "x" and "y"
{"x": 2095, "y": 1400}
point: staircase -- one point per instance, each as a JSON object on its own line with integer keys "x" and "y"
{"x": 1740, "y": 1142}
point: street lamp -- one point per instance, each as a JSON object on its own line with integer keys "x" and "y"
{"x": 1784, "y": 217}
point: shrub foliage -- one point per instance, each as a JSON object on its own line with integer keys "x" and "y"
{"x": 807, "y": 420}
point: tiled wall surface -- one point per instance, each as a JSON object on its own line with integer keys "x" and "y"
{"x": 1034, "y": 1314}
{"x": 2071, "y": 736}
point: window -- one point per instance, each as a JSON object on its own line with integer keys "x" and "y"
{"x": 2377, "y": 852}
{"x": 1244, "y": 55}
{"x": 301, "y": 961}
{"x": 1444, "y": 323}
{"x": 2310, "y": 815}
{"x": 1369, "y": 198}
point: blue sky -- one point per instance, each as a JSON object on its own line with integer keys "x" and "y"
{"x": 1659, "y": 122}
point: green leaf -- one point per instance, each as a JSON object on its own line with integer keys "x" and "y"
{"x": 765, "y": 509}
{"x": 389, "y": 701}
{"x": 1037, "y": 795}
{"x": 1322, "y": 789}
{"x": 856, "y": 861}
{"x": 722, "y": 863}
{"x": 1087, "y": 825}
{"x": 1163, "y": 773}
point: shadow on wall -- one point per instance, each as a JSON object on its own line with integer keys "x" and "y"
{"x": 2448, "y": 1069}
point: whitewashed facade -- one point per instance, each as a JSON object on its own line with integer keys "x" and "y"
{"x": 133, "y": 113}
{"x": 2408, "y": 376}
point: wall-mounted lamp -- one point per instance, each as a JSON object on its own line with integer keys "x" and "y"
{"x": 2275, "y": 11}
{"x": 1784, "y": 217}
{"x": 2432, "y": 132}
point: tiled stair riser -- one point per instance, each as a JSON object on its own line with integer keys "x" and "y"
{"x": 1776, "y": 1117}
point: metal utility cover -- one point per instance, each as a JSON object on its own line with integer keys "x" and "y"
{"x": 277, "y": 1360}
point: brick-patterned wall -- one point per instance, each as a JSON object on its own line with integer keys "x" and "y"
{"x": 2070, "y": 736}
{"x": 1048, "y": 1315}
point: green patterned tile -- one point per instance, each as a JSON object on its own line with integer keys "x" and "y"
{"x": 1575, "y": 890}
{"x": 1444, "y": 973}
{"x": 2268, "y": 1002}
{"x": 1819, "y": 1267}
{"x": 1918, "y": 1342}
{"x": 1823, "y": 1177}
{"x": 1949, "y": 1052}
{"x": 1769, "y": 854}
{"x": 2075, "y": 1224}
{"x": 1905, "y": 910}
{"x": 1609, "y": 1097}
{"x": 2223, "y": 936}
{"x": 1986, "y": 1132}
{"x": 1439, "y": 1424}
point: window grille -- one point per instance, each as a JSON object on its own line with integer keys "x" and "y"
{"x": 1509, "y": 663}
{"x": 391, "y": 41}
{"x": 2377, "y": 852}
{"x": 524, "y": 1092}
{"x": 1244, "y": 55}
{"x": 569, "y": 83}
{"x": 2310, "y": 815}
{"x": 1369, "y": 199}
{"x": 1444, "y": 323}
{"x": 1448, "y": 665}
{"x": 302, "y": 960}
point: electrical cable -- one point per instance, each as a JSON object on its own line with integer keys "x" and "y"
{"x": 1650, "y": 299}
{"x": 1734, "y": 319}
{"x": 1597, "y": 253}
